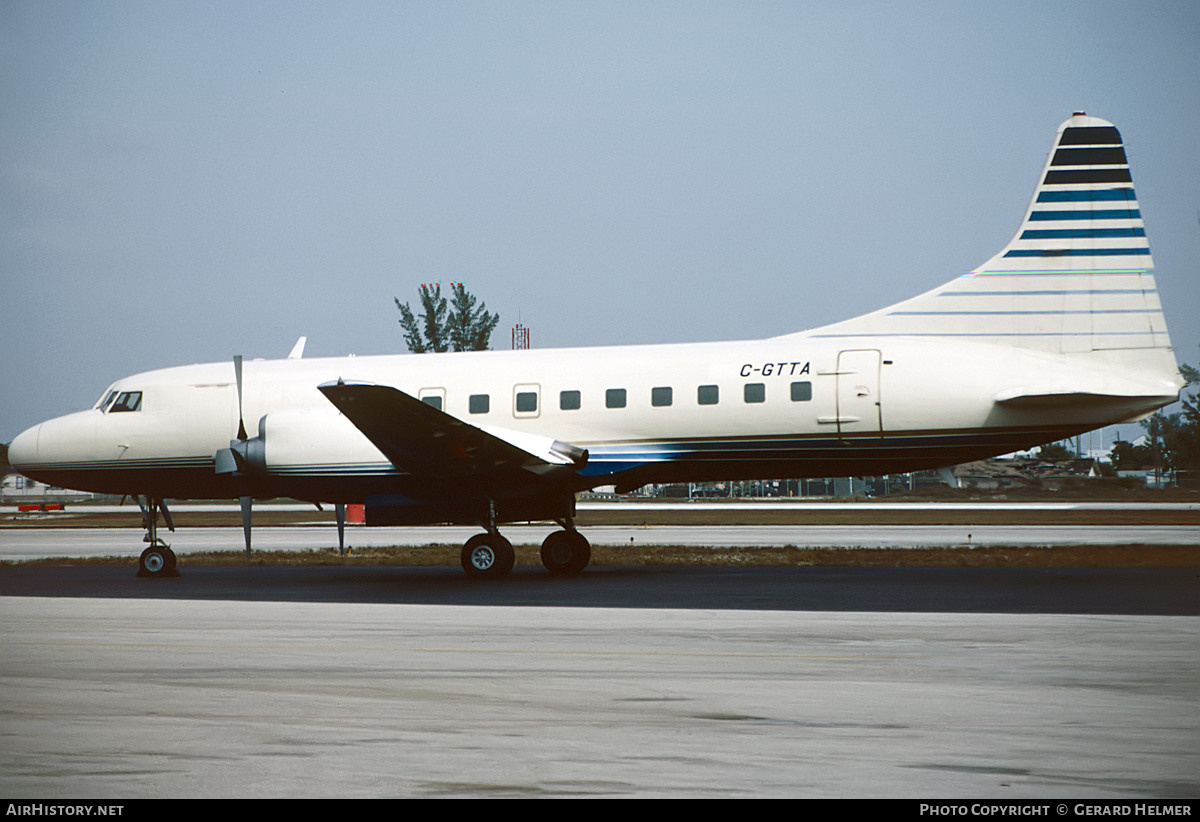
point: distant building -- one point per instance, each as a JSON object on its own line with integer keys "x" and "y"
{"x": 15, "y": 488}
{"x": 1025, "y": 472}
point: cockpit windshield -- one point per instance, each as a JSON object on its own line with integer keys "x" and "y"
{"x": 126, "y": 401}
{"x": 115, "y": 400}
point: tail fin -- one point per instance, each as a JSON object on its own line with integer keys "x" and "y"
{"x": 1073, "y": 280}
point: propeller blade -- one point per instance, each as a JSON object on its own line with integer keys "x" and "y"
{"x": 237, "y": 370}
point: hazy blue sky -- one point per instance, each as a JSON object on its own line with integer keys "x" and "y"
{"x": 185, "y": 181}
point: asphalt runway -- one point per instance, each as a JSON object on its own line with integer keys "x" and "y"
{"x": 921, "y": 683}
{"x": 967, "y": 591}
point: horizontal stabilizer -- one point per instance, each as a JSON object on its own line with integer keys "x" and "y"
{"x": 1076, "y": 398}
{"x": 1100, "y": 393}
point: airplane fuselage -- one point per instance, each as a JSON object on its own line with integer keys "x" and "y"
{"x": 778, "y": 408}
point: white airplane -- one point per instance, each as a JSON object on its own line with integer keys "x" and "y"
{"x": 1059, "y": 333}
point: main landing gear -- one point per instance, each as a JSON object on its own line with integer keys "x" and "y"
{"x": 488, "y": 556}
{"x": 158, "y": 560}
{"x": 491, "y": 556}
{"x": 566, "y": 552}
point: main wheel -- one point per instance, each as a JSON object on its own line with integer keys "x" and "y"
{"x": 566, "y": 553}
{"x": 157, "y": 561}
{"x": 488, "y": 556}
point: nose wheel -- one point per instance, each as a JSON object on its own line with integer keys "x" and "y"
{"x": 157, "y": 561}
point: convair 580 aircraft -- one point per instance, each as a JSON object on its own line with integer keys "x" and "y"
{"x": 1059, "y": 333}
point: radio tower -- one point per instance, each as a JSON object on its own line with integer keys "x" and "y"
{"x": 520, "y": 337}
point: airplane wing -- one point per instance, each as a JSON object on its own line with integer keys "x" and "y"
{"x": 426, "y": 441}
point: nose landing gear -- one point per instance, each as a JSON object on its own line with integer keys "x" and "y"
{"x": 158, "y": 560}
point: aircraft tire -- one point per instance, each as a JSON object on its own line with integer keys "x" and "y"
{"x": 488, "y": 556}
{"x": 156, "y": 562}
{"x": 566, "y": 553}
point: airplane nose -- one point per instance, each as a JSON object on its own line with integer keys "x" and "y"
{"x": 23, "y": 451}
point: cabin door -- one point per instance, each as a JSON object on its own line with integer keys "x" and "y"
{"x": 859, "y": 409}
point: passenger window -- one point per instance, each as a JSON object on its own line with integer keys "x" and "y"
{"x": 660, "y": 396}
{"x": 127, "y": 401}
{"x": 707, "y": 395}
{"x": 433, "y": 399}
{"x": 755, "y": 392}
{"x": 614, "y": 398}
{"x": 801, "y": 391}
{"x": 479, "y": 403}
{"x": 526, "y": 402}
{"x": 569, "y": 400}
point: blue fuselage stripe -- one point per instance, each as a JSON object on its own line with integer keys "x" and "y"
{"x": 1080, "y": 233}
{"x": 1097, "y": 214}
{"x": 1086, "y": 196}
{"x": 1076, "y": 252}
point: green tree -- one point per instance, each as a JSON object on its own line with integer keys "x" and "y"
{"x": 1175, "y": 437}
{"x": 1126, "y": 456}
{"x": 458, "y": 324}
{"x": 1055, "y": 451}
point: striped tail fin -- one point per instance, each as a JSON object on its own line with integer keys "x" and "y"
{"x": 1075, "y": 279}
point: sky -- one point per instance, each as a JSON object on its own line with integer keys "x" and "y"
{"x": 188, "y": 181}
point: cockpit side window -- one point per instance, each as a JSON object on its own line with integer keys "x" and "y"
{"x": 127, "y": 401}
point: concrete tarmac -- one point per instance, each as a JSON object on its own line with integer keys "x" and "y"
{"x": 124, "y": 699}
{"x": 20, "y": 544}
{"x": 350, "y": 682}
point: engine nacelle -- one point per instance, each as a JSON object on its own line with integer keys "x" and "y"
{"x": 295, "y": 449}
{"x": 305, "y": 439}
